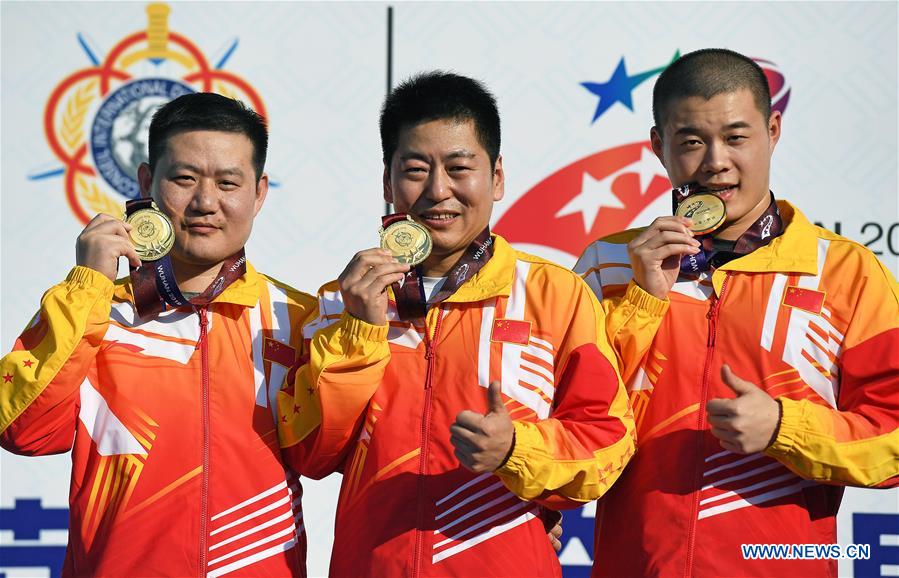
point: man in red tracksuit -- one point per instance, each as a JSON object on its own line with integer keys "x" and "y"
{"x": 772, "y": 380}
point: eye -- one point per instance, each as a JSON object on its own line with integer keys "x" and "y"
{"x": 415, "y": 172}
{"x": 228, "y": 185}
{"x": 691, "y": 142}
{"x": 736, "y": 138}
{"x": 184, "y": 179}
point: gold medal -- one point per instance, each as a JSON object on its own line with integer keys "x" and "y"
{"x": 707, "y": 211}
{"x": 152, "y": 233}
{"x": 408, "y": 241}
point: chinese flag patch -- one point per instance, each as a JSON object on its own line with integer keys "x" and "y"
{"x": 805, "y": 299}
{"x": 277, "y": 352}
{"x": 511, "y": 331}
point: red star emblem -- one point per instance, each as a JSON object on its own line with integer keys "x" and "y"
{"x": 296, "y": 409}
{"x": 311, "y": 390}
{"x": 284, "y": 418}
{"x": 7, "y": 378}
{"x": 28, "y": 362}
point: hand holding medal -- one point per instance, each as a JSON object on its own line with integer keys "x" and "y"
{"x": 102, "y": 242}
{"x": 656, "y": 253}
{"x": 363, "y": 283}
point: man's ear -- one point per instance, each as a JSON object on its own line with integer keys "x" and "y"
{"x": 499, "y": 179}
{"x": 774, "y": 127}
{"x": 145, "y": 180}
{"x": 261, "y": 193}
{"x": 655, "y": 137}
{"x": 388, "y": 190}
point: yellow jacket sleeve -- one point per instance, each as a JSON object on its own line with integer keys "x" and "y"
{"x": 321, "y": 409}
{"x": 633, "y": 316}
{"x": 857, "y": 442}
{"x": 49, "y": 362}
{"x": 580, "y": 450}
{"x": 632, "y": 321}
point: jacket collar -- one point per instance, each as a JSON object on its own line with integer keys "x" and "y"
{"x": 243, "y": 291}
{"x": 795, "y": 251}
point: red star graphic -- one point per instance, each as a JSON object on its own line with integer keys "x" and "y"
{"x": 7, "y": 378}
{"x": 28, "y": 362}
{"x": 284, "y": 418}
{"x": 311, "y": 390}
{"x": 296, "y": 409}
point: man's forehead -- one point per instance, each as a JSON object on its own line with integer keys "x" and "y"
{"x": 727, "y": 107}
{"x": 198, "y": 142}
{"x": 451, "y": 136}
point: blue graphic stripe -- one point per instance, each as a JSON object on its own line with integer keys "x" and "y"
{"x": 47, "y": 174}
{"x": 87, "y": 50}
{"x": 227, "y": 55}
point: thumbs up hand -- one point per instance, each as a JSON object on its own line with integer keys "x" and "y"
{"x": 746, "y": 424}
{"x": 484, "y": 441}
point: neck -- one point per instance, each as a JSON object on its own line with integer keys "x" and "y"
{"x": 193, "y": 278}
{"x": 735, "y": 229}
{"x": 440, "y": 265}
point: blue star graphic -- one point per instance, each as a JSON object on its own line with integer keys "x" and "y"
{"x": 620, "y": 86}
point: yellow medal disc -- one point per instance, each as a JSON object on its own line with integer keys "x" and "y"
{"x": 707, "y": 211}
{"x": 408, "y": 241}
{"x": 152, "y": 233}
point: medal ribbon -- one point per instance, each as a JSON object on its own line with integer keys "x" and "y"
{"x": 765, "y": 229}
{"x": 154, "y": 282}
{"x": 410, "y": 294}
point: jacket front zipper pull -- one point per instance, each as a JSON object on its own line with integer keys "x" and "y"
{"x": 204, "y": 323}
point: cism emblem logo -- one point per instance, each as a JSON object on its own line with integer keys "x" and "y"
{"x": 97, "y": 119}
{"x": 605, "y": 192}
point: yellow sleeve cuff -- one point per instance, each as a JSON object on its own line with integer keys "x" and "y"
{"x": 790, "y": 428}
{"x": 645, "y": 301}
{"x": 86, "y": 277}
{"x": 528, "y": 442}
{"x": 354, "y": 330}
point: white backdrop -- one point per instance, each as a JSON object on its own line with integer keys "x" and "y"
{"x": 321, "y": 72}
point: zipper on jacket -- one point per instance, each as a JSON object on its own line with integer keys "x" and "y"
{"x": 712, "y": 317}
{"x": 203, "y": 346}
{"x": 425, "y": 432}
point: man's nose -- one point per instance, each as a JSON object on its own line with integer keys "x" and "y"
{"x": 206, "y": 195}
{"x": 716, "y": 159}
{"x": 439, "y": 186}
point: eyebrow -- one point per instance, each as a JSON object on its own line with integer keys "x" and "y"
{"x": 236, "y": 171}
{"x": 685, "y": 130}
{"x": 461, "y": 153}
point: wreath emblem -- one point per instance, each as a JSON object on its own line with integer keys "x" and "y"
{"x": 96, "y": 120}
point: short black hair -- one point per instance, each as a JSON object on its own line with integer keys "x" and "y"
{"x": 208, "y": 111}
{"x": 438, "y": 95}
{"x": 707, "y": 73}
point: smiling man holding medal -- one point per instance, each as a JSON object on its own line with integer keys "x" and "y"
{"x": 162, "y": 383}
{"x": 771, "y": 382}
{"x": 457, "y": 390}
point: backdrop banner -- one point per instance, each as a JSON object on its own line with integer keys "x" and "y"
{"x": 80, "y": 82}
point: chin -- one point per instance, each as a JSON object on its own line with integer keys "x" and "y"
{"x": 201, "y": 258}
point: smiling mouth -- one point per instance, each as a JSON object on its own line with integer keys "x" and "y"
{"x": 722, "y": 191}
{"x": 437, "y": 219}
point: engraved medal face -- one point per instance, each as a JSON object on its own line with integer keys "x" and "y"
{"x": 707, "y": 211}
{"x": 408, "y": 241}
{"x": 151, "y": 234}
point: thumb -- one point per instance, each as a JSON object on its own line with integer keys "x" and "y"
{"x": 738, "y": 385}
{"x": 495, "y": 398}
